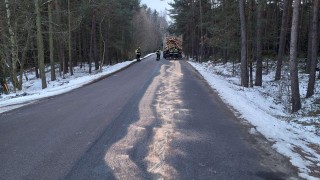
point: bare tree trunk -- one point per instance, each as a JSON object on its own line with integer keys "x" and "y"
{"x": 14, "y": 47}
{"x": 104, "y": 45}
{"x": 258, "y": 81}
{"x": 35, "y": 59}
{"x": 309, "y": 53}
{"x": 92, "y": 41}
{"x": 193, "y": 31}
{"x": 250, "y": 47}
{"x": 213, "y": 23}
{"x": 314, "y": 47}
{"x": 59, "y": 43}
{"x": 225, "y": 43}
{"x": 69, "y": 40}
{"x": 23, "y": 59}
{"x": 296, "y": 102}
{"x": 282, "y": 42}
{"x": 244, "y": 63}
{"x": 201, "y": 33}
{"x": 94, "y": 33}
{"x": 80, "y": 48}
{"x": 53, "y": 72}
{"x": 40, "y": 46}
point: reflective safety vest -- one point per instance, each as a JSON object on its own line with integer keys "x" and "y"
{"x": 138, "y": 51}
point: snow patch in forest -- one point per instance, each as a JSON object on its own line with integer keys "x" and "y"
{"x": 297, "y": 135}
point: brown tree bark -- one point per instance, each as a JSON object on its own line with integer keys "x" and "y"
{"x": 93, "y": 40}
{"x": 258, "y": 80}
{"x": 69, "y": 40}
{"x": 282, "y": 42}
{"x": 53, "y": 70}
{"x": 244, "y": 63}
{"x": 314, "y": 48}
{"x": 24, "y": 58}
{"x": 295, "y": 94}
{"x": 40, "y": 45}
{"x": 59, "y": 43}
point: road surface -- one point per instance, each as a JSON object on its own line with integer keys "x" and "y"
{"x": 153, "y": 120}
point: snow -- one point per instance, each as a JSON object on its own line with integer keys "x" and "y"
{"x": 266, "y": 108}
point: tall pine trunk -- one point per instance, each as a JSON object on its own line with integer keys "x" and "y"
{"x": 53, "y": 72}
{"x": 296, "y": 102}
{"x": 201, "y": 33}
{"x": 69, "y": 40}
{"x": 282, "y": 41}
{"x": 250, "y": 46}
{"x": 309, "y": 53}
{"x": 92, "y": 57}
{"x": 314, "y": 48}
{"x": 258, "y": 81}
{"x": 244, "y": 63}
{"x": 40, "y": 46}
{"x": 59, "y": 43}
{"x": 80, "y": 53}
{"x": 24, "y": 58}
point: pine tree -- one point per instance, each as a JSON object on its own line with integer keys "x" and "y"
{"x": 40, "y": 46}
{"x": 296, "y": 102}
{"x": 244, "y": 63}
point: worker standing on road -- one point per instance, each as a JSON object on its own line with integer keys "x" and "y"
{"x": 175, "y": 52}
{"x": 138, "y": 54}
{"x": 3, "y": 85}
{"x": 158, "y": 54}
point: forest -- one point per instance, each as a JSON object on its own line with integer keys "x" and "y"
{"x": 56, "y": 36}
{"x": 251, "y": 32}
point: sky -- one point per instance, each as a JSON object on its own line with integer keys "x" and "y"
{"x": 256, "y": 105}
{"x": 159, "y": 5}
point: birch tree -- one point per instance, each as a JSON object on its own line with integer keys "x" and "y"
{"x": 14, "y": 48}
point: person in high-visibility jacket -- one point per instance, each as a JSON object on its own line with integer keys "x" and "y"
{"x": 138, "y": 54}
{"x": 4, "y": 86}
{"x": 158, "y": 54}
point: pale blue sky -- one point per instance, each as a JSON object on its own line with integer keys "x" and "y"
{"x": 158, "y": 5}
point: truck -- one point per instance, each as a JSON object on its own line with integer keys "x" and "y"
{"x": 172, "y": 47}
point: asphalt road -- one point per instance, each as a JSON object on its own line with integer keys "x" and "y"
{"x": 155, "y": 119}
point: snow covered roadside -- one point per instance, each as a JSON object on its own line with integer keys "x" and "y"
{"x": 32, "y": 90}
{"x": 270, "y": 119}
